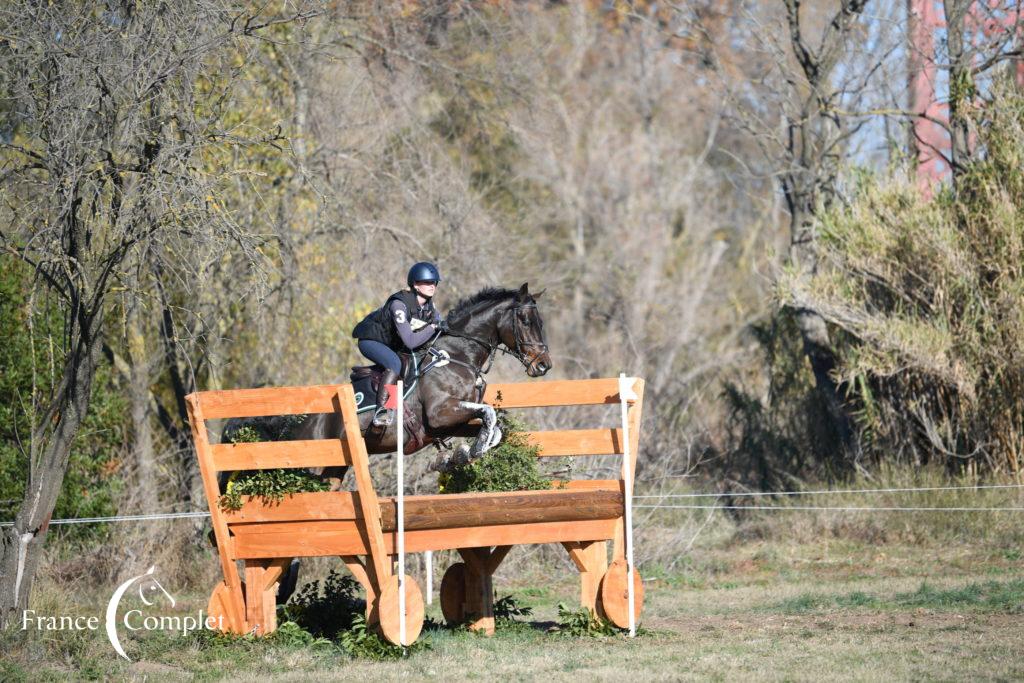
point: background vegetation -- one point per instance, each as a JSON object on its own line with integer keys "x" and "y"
{"x": 718, "y": 196}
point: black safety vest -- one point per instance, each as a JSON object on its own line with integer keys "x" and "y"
{"x": 380, "y": 324}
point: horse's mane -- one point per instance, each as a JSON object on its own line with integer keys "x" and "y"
{"x": 487, "y": 295}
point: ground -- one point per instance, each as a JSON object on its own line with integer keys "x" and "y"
{"x": 838, "y": 610}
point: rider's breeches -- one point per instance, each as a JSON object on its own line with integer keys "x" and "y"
{"x": 381, "y": 354}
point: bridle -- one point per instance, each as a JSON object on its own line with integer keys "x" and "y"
{"x": 494, "y": 347}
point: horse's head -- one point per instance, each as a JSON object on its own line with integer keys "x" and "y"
{"x": 522, "y": 330}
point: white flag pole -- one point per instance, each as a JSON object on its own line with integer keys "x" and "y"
{"x": 430, "y": 576}
{"x": 626, "y": 393}
{"x": 401, "y": 514}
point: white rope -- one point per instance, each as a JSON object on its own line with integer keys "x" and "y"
{"x": 831, "y": 491}
{"x": 401, "y": 515}
{"x": 122, "y": 518}
{"x": 626, "y": 393}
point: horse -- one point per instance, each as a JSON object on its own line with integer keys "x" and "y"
{"x": 446, "y": 396}
{"x": 449, "y": 395}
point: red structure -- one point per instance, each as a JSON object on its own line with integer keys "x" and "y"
{"x": 929, "y": 87}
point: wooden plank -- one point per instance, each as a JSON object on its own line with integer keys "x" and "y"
{"x": 367, "y": 497}
{"x": 467, "y": 510}
{"x": 255, "y": 572}
{"x": 577, "y": 442}
{"x": 592, "y": 484}
{"x": 303, "y": 540}
{"x": 234, "y": 599}
{"x": 280, "y": 454}
{"x": 267, "y": 401}
{"x": 336, "y": 505}
{"x": 566, "y": 392}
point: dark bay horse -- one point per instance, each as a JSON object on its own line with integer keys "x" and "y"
{"x": 448, "y": 396}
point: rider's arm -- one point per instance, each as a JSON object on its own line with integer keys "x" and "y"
{"x": 412, "y": 340}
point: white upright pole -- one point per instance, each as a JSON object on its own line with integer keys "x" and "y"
{"x": 430, "y": 577}
{"x": 625, "y": 393}
{"x": 399, "y": 410}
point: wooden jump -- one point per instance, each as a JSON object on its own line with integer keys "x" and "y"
{"x": 359, "y": 526}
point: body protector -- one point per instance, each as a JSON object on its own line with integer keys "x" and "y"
{"x": 380, "y": 324}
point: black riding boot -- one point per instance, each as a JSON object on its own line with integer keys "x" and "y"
{"x": 383, "y": 416}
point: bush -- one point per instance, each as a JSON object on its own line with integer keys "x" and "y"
{"x": 927, "y": 298}
{"x": 510, "y": 466}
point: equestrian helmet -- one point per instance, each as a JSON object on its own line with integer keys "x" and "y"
{"x": 421, "y": 272}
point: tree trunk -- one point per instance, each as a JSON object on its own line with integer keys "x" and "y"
{"x": 23, "y": 543}
{"x": 139, "y": 399}
{"x": 961, "y": 86}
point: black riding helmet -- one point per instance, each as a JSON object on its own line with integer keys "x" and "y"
{"x": 421, "y": 272}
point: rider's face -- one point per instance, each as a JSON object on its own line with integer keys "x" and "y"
{"x": 426, "y": 287}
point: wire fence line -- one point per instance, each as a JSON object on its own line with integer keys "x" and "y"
{"x": 977, "y": 488}
{"x": 747, "y": 494}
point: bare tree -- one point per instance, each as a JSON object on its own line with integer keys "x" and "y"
{"x": 117, "y": 108}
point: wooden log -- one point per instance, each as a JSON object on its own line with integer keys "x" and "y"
{"x": 522, "y": 507}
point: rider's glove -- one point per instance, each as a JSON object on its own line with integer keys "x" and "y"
{"x": 443, "y": 326}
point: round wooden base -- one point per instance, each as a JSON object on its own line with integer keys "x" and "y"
{"x": 387, "y": 610}
{"x": 453, "y": 594}
{"x": 615, "y": 598}
{"x": 217, "y": 609}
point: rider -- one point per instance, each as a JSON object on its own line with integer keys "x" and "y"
{"x": 406, "y": 321}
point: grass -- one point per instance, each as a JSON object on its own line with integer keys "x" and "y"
{"x": 766, "y": 596}
{"x": 769, "y": 612}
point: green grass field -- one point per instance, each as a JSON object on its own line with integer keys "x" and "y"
{"x": 837, "y": 609}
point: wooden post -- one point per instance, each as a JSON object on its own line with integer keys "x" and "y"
{"x": 235, "y": 601}
{"x": 379, "y": 560}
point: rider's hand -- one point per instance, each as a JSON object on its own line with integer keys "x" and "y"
{"x": 442, "y": 326}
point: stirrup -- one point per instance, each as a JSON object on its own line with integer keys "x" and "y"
{"x": 383, "y": 417}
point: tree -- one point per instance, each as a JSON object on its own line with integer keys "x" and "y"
{"x": 112, "y": 108}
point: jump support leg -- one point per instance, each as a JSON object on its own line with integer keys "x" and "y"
{"x": 481, "y": 563}
{"x": 261, "y": 583}
{"x": 591, "y": 559}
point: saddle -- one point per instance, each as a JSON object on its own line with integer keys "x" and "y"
{"x": 366, "y": 380}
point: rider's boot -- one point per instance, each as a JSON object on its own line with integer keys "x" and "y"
{"x": 384, "y": 416}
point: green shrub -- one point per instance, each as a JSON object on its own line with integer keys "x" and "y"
{"x": 510, "y": 466}
{"x": 271, "y": 486}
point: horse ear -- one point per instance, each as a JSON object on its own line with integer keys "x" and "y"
{"x": 524, "y": 292}
{"x": 538, "y": 294}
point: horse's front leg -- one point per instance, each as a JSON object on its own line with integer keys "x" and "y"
{"x": 490, "y": 434}
{"x": 456, "y": 412}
